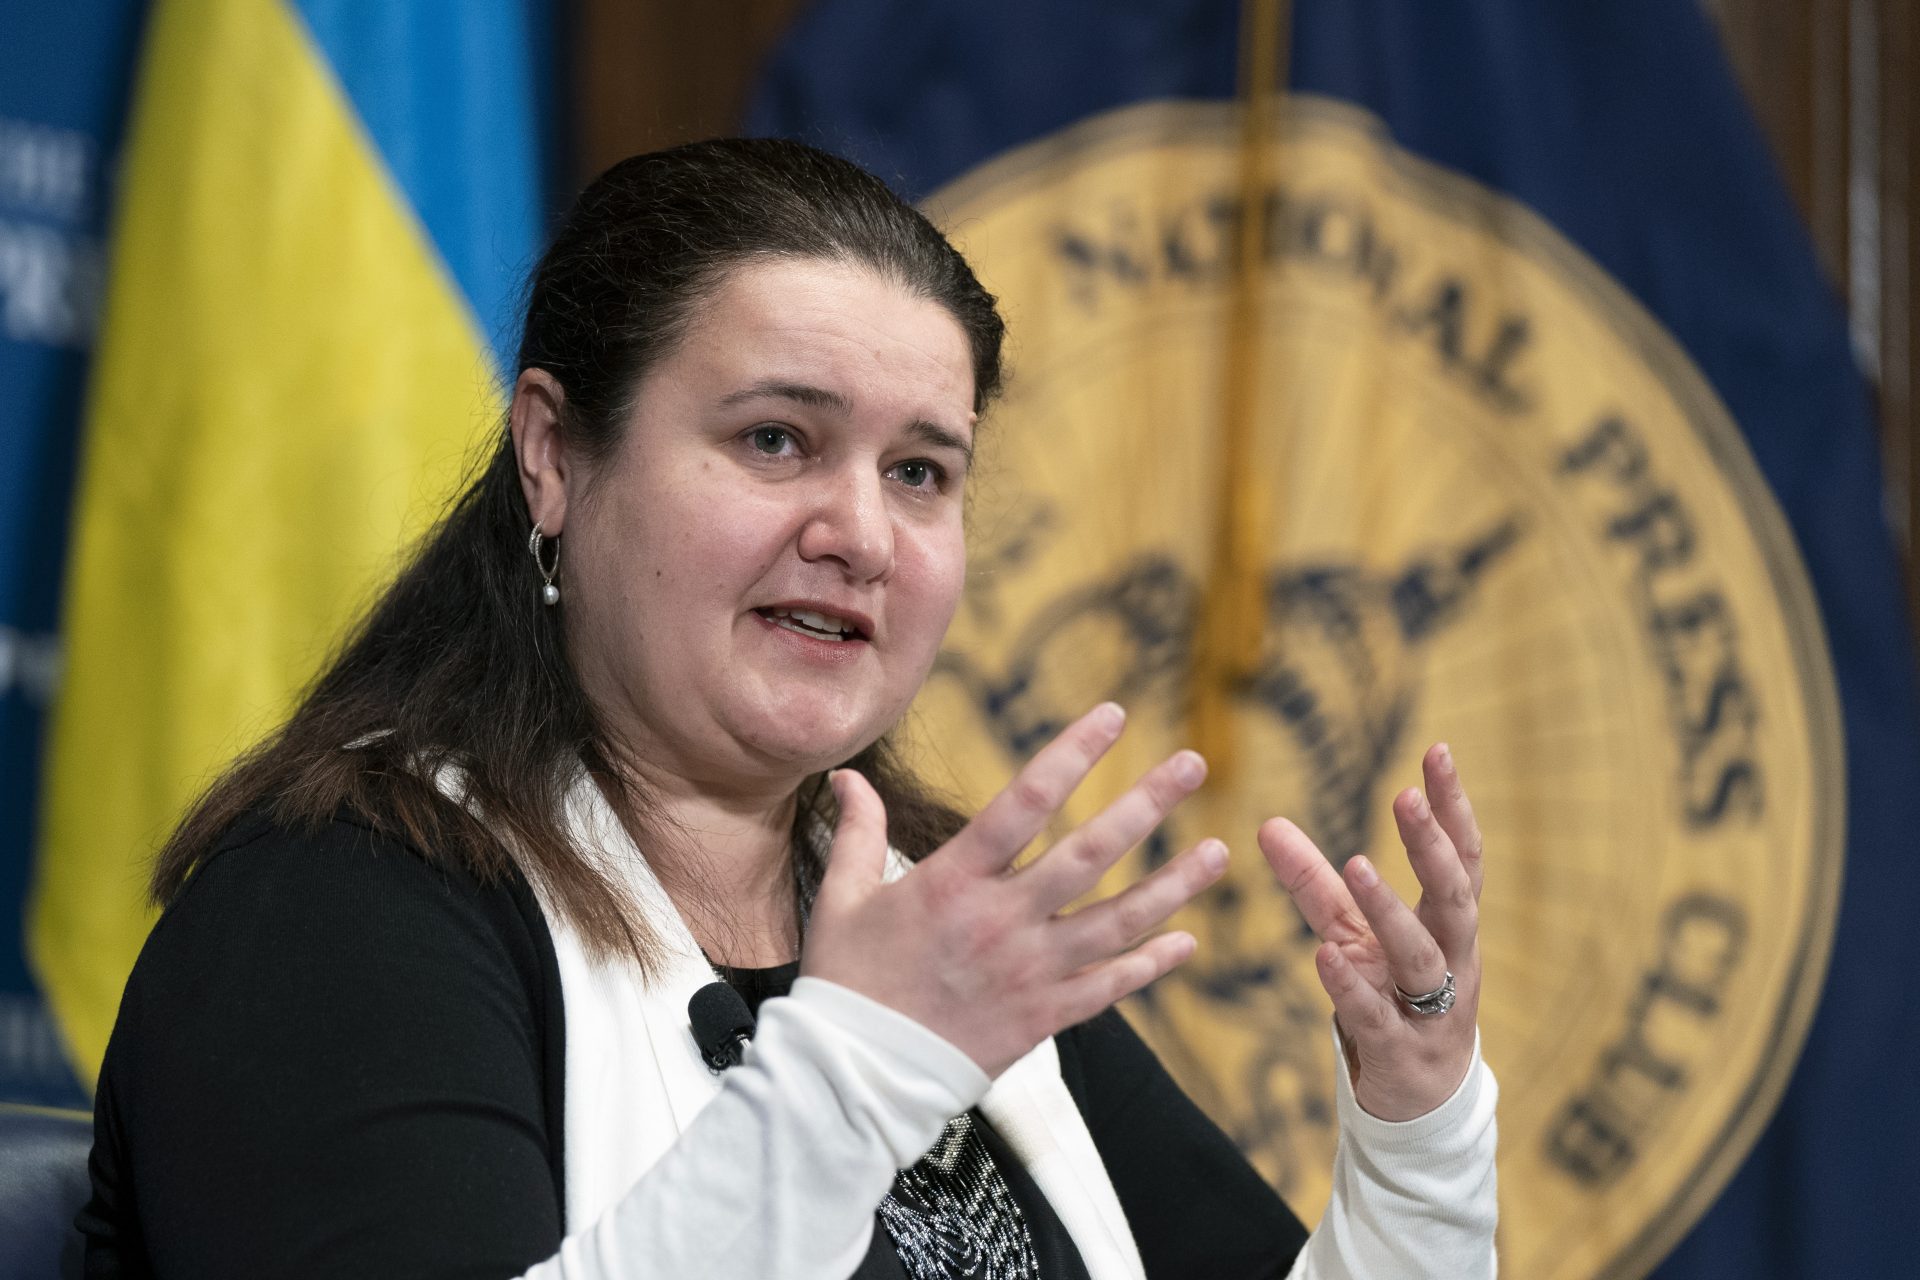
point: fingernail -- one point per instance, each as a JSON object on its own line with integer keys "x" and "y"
{"x": 1363, "y": 872}
{"x": 1419, "y": 804}
{"x": 1110, "y": 715}
{"x": 1189, "y": 767}
{"x": 1446, "y": 755}
{"x": 1213, "y": 857}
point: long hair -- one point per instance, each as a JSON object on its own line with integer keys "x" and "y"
{"x": 459, "y": 665}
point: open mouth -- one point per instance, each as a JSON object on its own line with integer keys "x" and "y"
{"x": 820, "y": 626}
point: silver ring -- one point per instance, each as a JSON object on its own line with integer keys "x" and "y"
{"x": 1433, "y": 1003}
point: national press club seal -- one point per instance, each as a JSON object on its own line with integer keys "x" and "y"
{"x": 1505, "y": 510}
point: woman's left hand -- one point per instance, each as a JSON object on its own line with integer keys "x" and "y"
{"x": 1403, "y": 1063}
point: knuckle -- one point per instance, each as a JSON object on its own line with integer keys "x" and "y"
{"x": 1133, "y": 915}
{"x": 1350, "y": 923}
{"x": 945, "y": 889}
{"x": 1149, "y": 963}
{"x": 1191, "y": 882}
{"x": 1428, "y": 851}
{"x": 1378, "y": 1016}
{"x": 1093, "y": 851}
{"x": 1024, "y": 973}
{"x": 1299, "y": 878}
{"x": 967, "y": 933}
{"x": 1163, "y": 791}
{"x": 1031, "y": 794}
{"x": 1127, "y": 975}
{"x": 981, "y": 934}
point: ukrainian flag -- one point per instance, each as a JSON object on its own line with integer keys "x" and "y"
{"x": 326, "y": 205}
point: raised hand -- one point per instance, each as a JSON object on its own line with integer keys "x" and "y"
{"x": 986, "y": 956}
{"x": 1404, "y": 1063}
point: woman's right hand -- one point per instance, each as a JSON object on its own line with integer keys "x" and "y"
{"x": 988, "y": 957}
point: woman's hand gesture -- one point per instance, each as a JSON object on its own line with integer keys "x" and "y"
{"x": 1404, "y": 1063}
{"x": 986, "y": 956}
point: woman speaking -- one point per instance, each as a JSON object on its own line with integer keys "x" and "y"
{"x": 418, "y": 1004}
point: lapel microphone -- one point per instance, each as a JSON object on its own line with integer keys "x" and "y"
{"x": 722, "y": 1025}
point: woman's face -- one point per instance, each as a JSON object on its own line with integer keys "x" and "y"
{"x": 758, "y": 580}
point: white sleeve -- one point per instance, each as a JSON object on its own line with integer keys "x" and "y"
{"x": 781, "y": 1173}
{"x": 1414, "y": 1198}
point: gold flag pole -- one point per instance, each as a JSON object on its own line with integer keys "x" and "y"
{"x": 1233, "y": 610}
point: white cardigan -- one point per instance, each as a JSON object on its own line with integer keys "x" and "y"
{"x": 668, "y": 1166}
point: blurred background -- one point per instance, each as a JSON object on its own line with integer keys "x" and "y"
{"x": 258, "y": 269}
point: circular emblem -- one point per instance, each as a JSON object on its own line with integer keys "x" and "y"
{"x": 1502, "y": 509}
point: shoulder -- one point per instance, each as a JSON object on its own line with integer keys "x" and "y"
{"x": 318, "y": 952}
{"x": 322, "y": 1021}
{"x": 275, "y": 885}
{"x": 345, "y": 848}
{"x": 350, "y": 925}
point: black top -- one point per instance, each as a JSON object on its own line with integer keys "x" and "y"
{"x": 1054, "y": 1254}
{"x": 334, "y": 1058}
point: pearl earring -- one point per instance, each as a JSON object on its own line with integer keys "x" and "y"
{"x": 549, "y": 593}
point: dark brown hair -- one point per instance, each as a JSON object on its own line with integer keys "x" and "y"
{"x": 458, "y": 663}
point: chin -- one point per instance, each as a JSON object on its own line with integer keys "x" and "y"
{"x": 822, "y": 741}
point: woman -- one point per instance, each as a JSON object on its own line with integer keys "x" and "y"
{"x": 417, "y": 1004}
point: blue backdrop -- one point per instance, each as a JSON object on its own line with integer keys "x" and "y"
{"x": 63, "y": 101}
{"x": 1622, "y": 125}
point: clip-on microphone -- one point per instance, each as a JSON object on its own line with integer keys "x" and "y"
{"x": 722, "y": 1025}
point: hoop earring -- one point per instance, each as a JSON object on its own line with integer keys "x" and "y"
{"x": 549, "y": 593}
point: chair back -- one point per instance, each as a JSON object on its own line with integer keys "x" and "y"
{"x": 43, "y": 1184}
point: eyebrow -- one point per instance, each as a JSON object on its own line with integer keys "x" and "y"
{"x": 800, "y": 392}
{"x": 941, "y": 438}
{"x": 833, "y": 402}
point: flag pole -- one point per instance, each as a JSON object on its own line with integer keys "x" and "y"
{"x": 1232, "y": 618}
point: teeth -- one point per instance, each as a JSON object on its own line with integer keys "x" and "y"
{"x": 818, "y": 621}
{"x": 820, "y": 624}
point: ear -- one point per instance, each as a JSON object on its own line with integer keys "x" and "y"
{"x": 546, "y": 471}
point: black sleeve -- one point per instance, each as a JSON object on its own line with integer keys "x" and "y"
{"x": 332, "y": 1059}
{"x": 1197, "y": 1208}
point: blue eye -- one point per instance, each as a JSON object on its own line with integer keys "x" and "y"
{"x": 772, "y": 441}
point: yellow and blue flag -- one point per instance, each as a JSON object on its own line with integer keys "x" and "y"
{"x": 1385, "y": 372}
{"x": 325, "y": 209}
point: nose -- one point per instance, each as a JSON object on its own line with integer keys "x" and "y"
{"x": 849, "y": 524}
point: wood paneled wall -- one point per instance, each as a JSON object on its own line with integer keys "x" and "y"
{"x": 652, "y": 73}
{"x": 1831, "y": 81}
